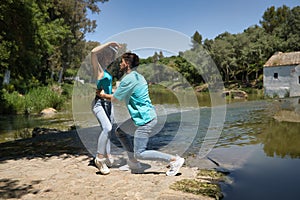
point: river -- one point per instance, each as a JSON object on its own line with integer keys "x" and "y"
{"x": 259, "y": 143}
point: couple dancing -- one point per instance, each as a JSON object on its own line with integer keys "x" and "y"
{"x": 133, "y": 89}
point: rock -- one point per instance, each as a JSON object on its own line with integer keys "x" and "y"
{"x": 235, "y": 94}
{"x": 37, "y": 131}
{"x": 48, "y": 111}
{"x": 287, "y": 116}
{"x": 202, "y": 88}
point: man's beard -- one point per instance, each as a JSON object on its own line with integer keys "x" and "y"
{"x": 124, "y": 70}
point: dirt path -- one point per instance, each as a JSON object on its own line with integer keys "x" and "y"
{"x": 57, "y": 167}
{"x": 72, "y": 177}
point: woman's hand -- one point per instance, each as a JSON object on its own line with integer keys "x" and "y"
{"x": 99, "y": 48}
{"x": 114, "y": 45}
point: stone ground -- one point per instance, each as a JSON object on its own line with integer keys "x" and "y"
{"x": 56, "y": 166}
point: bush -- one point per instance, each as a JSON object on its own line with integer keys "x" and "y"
{"x": 43, "y": 97}
{"x": 33, "y": 102}
{"x": 67, "y": 90}
{"x": 14, "y": 103}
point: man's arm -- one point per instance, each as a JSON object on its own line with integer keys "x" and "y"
{"x": 109, "y": 97}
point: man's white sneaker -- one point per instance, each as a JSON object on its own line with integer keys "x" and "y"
{"x": 100, "y": 163}
{"x": 124, "y": 168}
{"x": 131, "y": 166}
{"x": 175, "y": 166}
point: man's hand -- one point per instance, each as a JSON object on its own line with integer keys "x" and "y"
{"x": 102, "y": 95}
{"x": 99, "y": 93}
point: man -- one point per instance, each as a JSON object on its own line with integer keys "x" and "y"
{"x": 133, "y": 89}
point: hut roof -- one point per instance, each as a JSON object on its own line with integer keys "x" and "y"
{"x": 283, "y": 59}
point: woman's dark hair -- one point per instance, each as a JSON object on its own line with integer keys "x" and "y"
{"x": 132, "y": 59}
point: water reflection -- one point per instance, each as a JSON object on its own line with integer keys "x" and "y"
{"x": 281, "y": 136}
{"x": 281, "y": 139}
{"x": 14, "y": 127}
{"x": 287, "y": 110}
{"x": 256, "y": 122}
{"x": 244, "y": 121}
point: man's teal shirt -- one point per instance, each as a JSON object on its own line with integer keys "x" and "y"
{"x": 133, "y": 89}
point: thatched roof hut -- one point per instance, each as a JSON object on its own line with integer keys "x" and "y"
{"x": 284, "y": 59}
{"x": 282, "y": 75}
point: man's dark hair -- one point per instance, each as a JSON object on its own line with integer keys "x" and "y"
{"x": 132, "y": 59}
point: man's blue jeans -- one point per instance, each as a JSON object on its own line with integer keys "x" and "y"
{"x": 138, "y": 149}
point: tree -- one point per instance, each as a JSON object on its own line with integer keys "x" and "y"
{"x": 224, "y": 55}
{"x": 161, "y": 55}
{"x": 74, "y": 14}
{"x": 275, "y": 18}
{"x": 196, "y": 39}
{"x": 41, "y": 38}
{"x": 20, "y": 43}
{"x": 155, "y": 57}
{"x": 293, "y": 41}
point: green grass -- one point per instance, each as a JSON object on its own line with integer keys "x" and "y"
{"x": 35, "y": 100}
{"x": 206, "y": 183}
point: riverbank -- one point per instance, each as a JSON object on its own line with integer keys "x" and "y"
{"x": 57, "y": 166}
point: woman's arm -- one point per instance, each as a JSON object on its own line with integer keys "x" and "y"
{"x": 98, "y": 69}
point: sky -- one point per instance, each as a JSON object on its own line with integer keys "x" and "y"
{"x": 209, "y": 17}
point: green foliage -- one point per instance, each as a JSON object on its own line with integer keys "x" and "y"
{"x": 40, "y": 40}
{"x": 240, "y": 57}
{"x": 274, "y": 18}
{"x": 196, "y": 39}
{"x": 168, "y": 70}
{"x": 67, "y": 90}
{"x": 42, "y": 97}
{"x": 14, "y": 103}
{"x": 284, "y": 24}
{"x": 71, "y": 72}
{"x": 34, "y": 101}
{"x": 207, "y": 183}
{"x": 198, "y": 188}
{"x": 251, "y": 49}
{"x": 280, "y": 137}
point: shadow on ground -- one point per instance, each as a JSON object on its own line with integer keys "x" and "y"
{"x": 13, "y": 189}
{"x": 51, "y": 144}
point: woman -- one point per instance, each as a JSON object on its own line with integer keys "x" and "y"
{"x": 102, "y": 108}
{"x": 133, "y": 89}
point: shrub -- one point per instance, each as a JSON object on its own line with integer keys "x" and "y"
{"x": 42, "y": 97}
{"x": 14, "y": 103}
{"x": 35, "y": 100}
{"x": 67, "y": 90}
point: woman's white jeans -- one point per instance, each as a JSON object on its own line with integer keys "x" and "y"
{"x": 99, "y": 108}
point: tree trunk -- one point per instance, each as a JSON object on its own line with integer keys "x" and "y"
{"x": 61, "y": 73}
{"x": 6, "y": 78}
